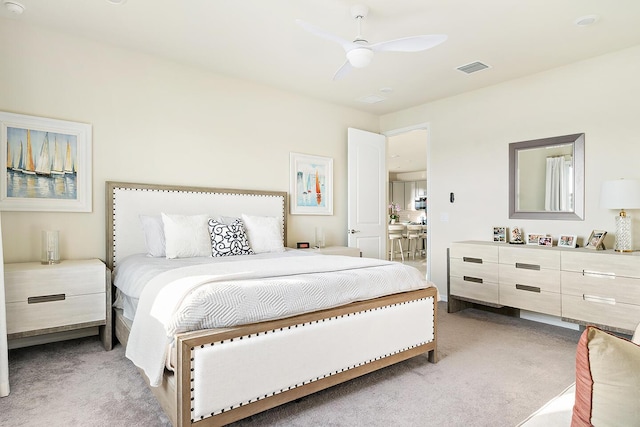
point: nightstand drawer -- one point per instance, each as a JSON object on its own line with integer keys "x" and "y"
{"x": 51, "y": 311}
{"x": 69, "y": 277}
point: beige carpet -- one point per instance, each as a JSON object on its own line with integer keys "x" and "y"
{"x": 493, "y": 371}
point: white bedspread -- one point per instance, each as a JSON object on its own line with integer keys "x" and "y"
{"x": 233, "y": 293}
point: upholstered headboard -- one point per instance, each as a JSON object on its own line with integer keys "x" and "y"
{"x": 127, "y": 201}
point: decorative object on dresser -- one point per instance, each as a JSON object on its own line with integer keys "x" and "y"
{"x": 58, "y": 301}
{"x": 534, "y": 238}
{"x": 545, "y": 241}
{"x": 621, "y": 194}
{"x": 51, "y": 155}
{"x": 581, "y": 286}
{"x": 516, "y": 236}
{"x": 50, "y": 247}
{"x": 500, "y": 234}
{"x": 311, "y": 184}
{"x": 567, "y": 241}
{"x": 595, "y": 240}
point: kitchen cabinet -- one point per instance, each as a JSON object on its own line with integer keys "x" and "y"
{"x": 404, "y": 193}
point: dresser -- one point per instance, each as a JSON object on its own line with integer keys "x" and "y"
{"x": 579, "y": 285}
{"x": 50, "y": 302}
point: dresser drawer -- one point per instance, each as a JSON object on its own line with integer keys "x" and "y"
{"x": 546, "y": 280}
{"x": 488, "y": 272}
{"x": 601, "y": 312}
{"x": 474, "y": 252}
{"x": 485, "y": 291}
{"x": 69, "y": 277}
{"x": 615, "y": 264}
{"x": 615, "y": 288}
{"x": 530, "y": 299}
{"x": 543, "y": 258}
{"x": 24, "y": 316}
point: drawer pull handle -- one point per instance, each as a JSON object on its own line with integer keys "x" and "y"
{"x": 599, "y": 274}
{"x": 472, "y": 279}
{"x": 601, "y": 300}
{"x": 46, "y": 298}
{"x": 474, "y": 260}
{"x": 527, "y": 266}
{"x": 528, "y": 288}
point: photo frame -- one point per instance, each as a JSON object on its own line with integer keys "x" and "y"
{"x": 567, "y": 241}
{"x": 534, "y": 238}
{"x": 500, "y": 234}
{"x": 311, "y": 184}
{"x": 595, "y": 240}
{"x": 545, "y": 241}
{"x": 45, "y": 164}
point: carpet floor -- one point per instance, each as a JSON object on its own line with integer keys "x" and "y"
{"x": 493, "y": 370}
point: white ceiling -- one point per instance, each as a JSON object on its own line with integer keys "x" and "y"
{"x": 259, "y": 40}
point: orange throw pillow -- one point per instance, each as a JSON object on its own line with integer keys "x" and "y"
{"x": 607, "y": 381}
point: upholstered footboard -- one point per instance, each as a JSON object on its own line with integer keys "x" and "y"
{"x": 226, "y": 375}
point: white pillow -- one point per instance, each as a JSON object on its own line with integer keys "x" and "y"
{"x": 264, "y": 232}
{"x": 186, "y": 236}
{"x": 153, "y": 229}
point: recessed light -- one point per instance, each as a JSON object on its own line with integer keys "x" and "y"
{"x": 14, "y": 7}
{"x": 585, "y": 21}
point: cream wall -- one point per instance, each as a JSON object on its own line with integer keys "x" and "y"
{"x": 470, "y": 133}
{"x": 157, "y": 121}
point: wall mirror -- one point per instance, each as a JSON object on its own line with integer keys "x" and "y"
{"x": 546, "y": 178}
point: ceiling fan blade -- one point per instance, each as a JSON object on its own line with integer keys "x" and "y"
{"x": 409, "y": 44}
{"x": 342, "y": 71}
{"x": 346, "y": 44}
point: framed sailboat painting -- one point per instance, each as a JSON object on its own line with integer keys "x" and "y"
{"x": 45, "y": 164}
{"x": 311, "y": 184}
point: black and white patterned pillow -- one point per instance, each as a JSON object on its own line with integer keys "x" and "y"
{"x": 228, "y": 239}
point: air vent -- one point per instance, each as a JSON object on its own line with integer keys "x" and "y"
{"x": 472, "y": 67}
{"x": 371, "y": 99}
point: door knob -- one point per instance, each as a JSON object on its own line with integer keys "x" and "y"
{"x": 352, "y": 231}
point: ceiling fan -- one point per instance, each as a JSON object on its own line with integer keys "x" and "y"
{"x": 360, "y": 52}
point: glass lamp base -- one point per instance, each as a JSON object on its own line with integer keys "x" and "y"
{"x": 624, "y": 237}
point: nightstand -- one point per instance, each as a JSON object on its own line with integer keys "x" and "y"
{"x": 48, "y": 303}
{"x": 335, "y": 250}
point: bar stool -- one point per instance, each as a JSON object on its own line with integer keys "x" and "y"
{"x": 414, "y": 234}
{"x": 396, "y": 234}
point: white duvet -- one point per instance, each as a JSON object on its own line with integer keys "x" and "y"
{"x": 225, "y": 294}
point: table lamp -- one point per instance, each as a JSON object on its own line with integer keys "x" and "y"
{"x": 621, "y": 194}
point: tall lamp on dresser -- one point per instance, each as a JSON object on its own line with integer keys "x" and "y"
{"x": 4, "y": 352}
{"x": 621, "y": 194}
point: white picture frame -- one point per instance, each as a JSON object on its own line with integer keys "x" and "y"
{"x": 596, "y": 240}
{"x": 534, "y": 238}
{"x": 567, "y": 241}
{"x": 45, "y": 164}
{"x": 310, "y": 184}
{"x": 500, "y": 234}
{"x": 545, "y": 241}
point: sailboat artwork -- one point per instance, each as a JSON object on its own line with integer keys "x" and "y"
{"x": 311, "y": 184}
{"x": 41, "y": 164}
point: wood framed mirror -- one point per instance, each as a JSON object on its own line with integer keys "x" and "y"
{"x": 546, "y": 178}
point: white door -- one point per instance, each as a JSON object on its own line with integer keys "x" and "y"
{"x": 367, "y": 177}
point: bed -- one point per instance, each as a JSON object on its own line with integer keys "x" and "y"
{"x": 236, "y": 368}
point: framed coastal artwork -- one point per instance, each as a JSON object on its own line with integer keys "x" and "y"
{"x": 45, "y": 164}
{"x": 311, "y": 184}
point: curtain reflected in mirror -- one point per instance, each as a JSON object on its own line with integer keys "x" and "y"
{"x": 559, "y": 184}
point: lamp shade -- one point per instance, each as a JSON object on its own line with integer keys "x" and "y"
{"x": 620, "y": 194}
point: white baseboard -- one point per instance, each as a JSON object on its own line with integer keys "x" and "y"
{"x": 550, "y": 320}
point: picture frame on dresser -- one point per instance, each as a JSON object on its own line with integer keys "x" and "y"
{"x": 595, "y": 240}
{"x": 545, "y": 241}
{"x": 534, "y": 238}
{"x": 45, "y": 164}
{"x": 500, "y": 234}
{"x": 567, "y": 241}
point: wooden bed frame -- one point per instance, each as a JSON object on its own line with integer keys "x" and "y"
{"x": 409, "y": 311}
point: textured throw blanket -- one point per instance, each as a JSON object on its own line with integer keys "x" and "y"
{"x": 235, "y": 293}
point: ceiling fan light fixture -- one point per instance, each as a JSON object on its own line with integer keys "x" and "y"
{"x": 360, "y": 57}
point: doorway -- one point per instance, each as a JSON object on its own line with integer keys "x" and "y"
{"x": 407, "y": 168}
